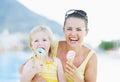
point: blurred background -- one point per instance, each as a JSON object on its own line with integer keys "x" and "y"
{"x": 18, "y": 17}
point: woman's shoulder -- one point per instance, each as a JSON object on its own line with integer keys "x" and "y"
{"x": 88, "y": 49}
{"x": 61, "y": 48}
{"x": 61, "y": 44}
{"x": 91, "y": 54}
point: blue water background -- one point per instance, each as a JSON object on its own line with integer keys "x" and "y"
{"x": 9, "y": 65}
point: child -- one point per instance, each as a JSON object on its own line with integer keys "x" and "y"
{"x": 42, "y": 64}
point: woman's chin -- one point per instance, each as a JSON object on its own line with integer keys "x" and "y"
{"x": 73, "y": 43}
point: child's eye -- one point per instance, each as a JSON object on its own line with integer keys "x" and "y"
{"x": 68, "y": 29}
{"x": 36, "y": 40}
{"x": 44, "y": 40}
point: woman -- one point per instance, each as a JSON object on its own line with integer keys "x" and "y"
{"x": 84, "y": 66}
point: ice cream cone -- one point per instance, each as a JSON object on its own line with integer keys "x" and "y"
{"x": 40, "y": 52}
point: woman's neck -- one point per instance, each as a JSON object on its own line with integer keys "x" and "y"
{"x": 77, "y": 49}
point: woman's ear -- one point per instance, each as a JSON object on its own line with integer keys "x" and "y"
{"x": 86, "y": 32}
{"x": 63, "y": 29}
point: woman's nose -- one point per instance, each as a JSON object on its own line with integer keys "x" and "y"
{"x": 73, "y": 32}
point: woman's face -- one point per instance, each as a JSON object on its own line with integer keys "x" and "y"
{"x": 75, "y": 31}
{"x": 40, "y": 40}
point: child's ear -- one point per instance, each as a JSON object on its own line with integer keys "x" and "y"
{"x": 30, "y": 46}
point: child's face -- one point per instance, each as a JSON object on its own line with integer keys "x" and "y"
{"x": 40, "y": 40}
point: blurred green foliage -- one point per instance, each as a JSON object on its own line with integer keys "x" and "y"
{"x": 109, "y": 45}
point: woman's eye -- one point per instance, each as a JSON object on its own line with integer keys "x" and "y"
{"x": 79, "y": 29}
{"x": 69, "y": 29}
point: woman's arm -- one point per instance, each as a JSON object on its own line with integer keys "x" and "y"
{"x": 21, "y": 68}
{"x": 61, "y": 76}
{"x": 91, "y": 70}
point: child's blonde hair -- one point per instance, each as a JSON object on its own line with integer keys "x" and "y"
{"x": 48, "y": 31}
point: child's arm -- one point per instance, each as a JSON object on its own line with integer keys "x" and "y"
{"x": 61, "y": 76}
{"x": 28, "y": 71}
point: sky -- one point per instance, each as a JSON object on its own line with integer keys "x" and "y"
{"x": 103, "y": 15}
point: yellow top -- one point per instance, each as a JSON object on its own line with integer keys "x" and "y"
{"x": 81, "y": 68}
{"x": 49, "y": 72}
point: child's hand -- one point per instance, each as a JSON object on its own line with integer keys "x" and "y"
{"x": 29, "y": 71}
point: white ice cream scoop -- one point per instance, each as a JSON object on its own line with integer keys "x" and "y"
{"x": 70, "y": 55}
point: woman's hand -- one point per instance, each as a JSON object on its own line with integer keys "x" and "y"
{"x": 71, "y": 71}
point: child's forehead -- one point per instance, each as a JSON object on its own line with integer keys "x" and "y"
{"x": 41, "y": 34}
